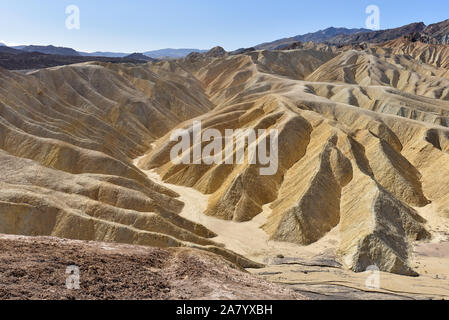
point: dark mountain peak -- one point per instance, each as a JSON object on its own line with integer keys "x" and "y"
{"x": 334, "y": 30}
{"x": 377, "y": 36}
{"x": 138, "y": 56}
{"x": 216, "y": 52}
{"x": 438, "y": 32}
{"x": 318, "y": 36}
{"x": 437, "y": 26}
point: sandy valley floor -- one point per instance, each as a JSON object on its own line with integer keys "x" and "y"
{"x": 314, "y": 270}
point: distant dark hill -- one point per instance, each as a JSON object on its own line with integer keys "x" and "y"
{"x": 155, "y": 54}
{"x": 171, "y": 53}
{"x": 5, "y": 49}
{"x": 104, "y": 54}
{"x": 37, "y": 60}
{"x": 319, "y": 36}
{"x": 50, "y": 50}
{"x": 139, "y": 56}
{"x": 439, "y": 32}
{"x": 377, "y": 36}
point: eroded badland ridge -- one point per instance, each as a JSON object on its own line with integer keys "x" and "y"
{"x": 362, "y": 175}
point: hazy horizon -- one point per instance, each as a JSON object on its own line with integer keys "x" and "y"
{"x": 142, "y": 26}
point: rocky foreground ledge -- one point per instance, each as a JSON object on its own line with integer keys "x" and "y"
{"x": 35, "y": 268}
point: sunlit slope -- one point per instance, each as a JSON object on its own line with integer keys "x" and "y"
{"x": 68, "y": 137}
{"x": 362, "y": 142}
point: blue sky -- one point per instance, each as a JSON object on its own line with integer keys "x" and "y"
{"x": 139, "y": 25}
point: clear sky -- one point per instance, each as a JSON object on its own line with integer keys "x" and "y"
{"x": 142, "y": 25}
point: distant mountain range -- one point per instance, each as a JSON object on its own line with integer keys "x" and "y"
{"x": 103, "y": 54}
{"x": 36, "y": 57}
{"x": 319, "y": 36}
{"x": 33, "y": 56}
{"x": 156, "y": 54}
{"x": 14, "y": 59}
{"x": 171, "y": 53}
{"x": 377, "y": 36}
{"x": 49, "y": 50}
{"x": 437, "y": 33}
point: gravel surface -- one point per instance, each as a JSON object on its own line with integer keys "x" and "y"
{"x": 35, "y": 268}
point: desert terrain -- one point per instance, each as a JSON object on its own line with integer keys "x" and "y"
{"x": 362, "y": 174}
{"x": 35, "y": 268}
